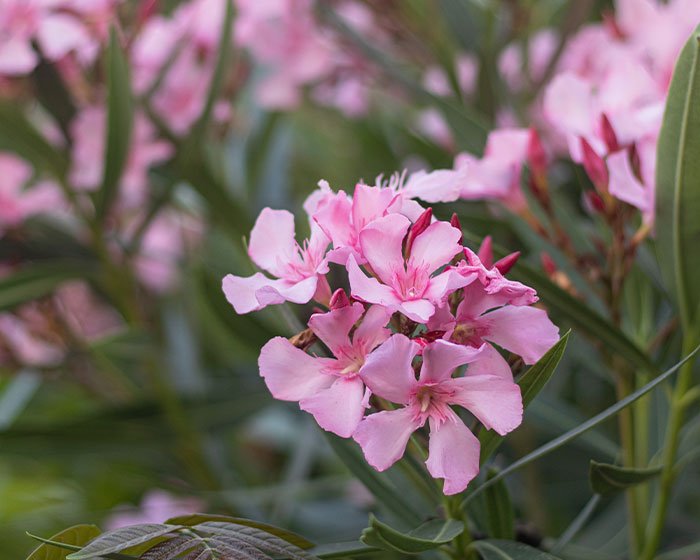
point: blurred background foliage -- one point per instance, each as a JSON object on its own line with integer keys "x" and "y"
{"x": 174, "y": 402}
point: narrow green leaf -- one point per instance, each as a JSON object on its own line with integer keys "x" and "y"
{"x": 494, "y": 549}
{"x": 120, "y": 115}
{"x": 531, "y": 383}
{"x": 75, "y": 537}
{"x": 678, "y": 184}
{"x": 18, "y": 135}
{"x": 609, "y": 479}
{"x": 197, "y": 518}
{"x": 680, "y": 553}
{"x": 500, "y": 517}
{"x": 374, "y": 481}
{"x": 342, "y": 550}
{"x": 427, "y": 536}
{"x": 599, "y": 418}
{"x": 37, "y": 280}
{"x": 122, "y": 539}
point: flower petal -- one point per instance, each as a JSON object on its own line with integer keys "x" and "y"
{"x": 383, "y": 436}
{"x": 240, "y": 292}
{"x": 290, "y": 373}
{"x": 441, "y": 358}
{"x": 495, "y": 401}
{"x": 490, "y": 362}
{"x": 453, "y": 454}
{"x": 419, "y": 310}
{"x": 388, "y": 372}
{"x": 525, "y": 331}
{"x": 272, "y": 242}
{"x": 372, "y": 332}
{"x": 435, "y": 247}
{"x": 334, "y": 327}
{"x": 339, "y": 408}
{"x": 381, "y": 243}
{"x": 369, "y": 289}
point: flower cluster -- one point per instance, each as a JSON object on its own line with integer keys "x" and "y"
{"x": 421, "y": 306}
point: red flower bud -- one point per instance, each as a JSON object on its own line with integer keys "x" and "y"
{"x": 536, "y": 156}
{"x": 595, "y": 167}
{"x": 595, "y": 202}
{"x": 339, "y": 299}
{"x": 454, "y": 222}
{"x": 608, "y": 134}
{"x": 485, "y": 253}
{"x": 548, "y": 264}
{"x": 506, "y": 263}
{"x": 418, "y": 227}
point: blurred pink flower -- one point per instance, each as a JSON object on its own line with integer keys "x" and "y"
{"x": 331, "y": 389}
{"x": 156, "y": 507}
{"x": 88, "y": 133}
{"x": 25, "y": 346}
{"x": 512, "y": 65}
{"x": 453, "y": 450}
{"x": 299, "y": 270}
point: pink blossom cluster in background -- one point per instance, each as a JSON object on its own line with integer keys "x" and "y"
{"x": 420, "y": 307}
{"x": 602, "y": 107}
{"x": 156, "y": 506}
{"x": 296, "y": 50}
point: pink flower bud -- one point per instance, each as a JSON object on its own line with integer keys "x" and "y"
{"x": 595, "y": 202}
{"x": 595, "y": 167}
{"x": 339, "y": 299}
{"x": 536, "y": 156}
{"x": 418, "y": 227}
{"x": 548, "y": 264}
{"x": 485, "y": 253}
{"x": 506, "y": 263}
{"x": 608, "y": 134}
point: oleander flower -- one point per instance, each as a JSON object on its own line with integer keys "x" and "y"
{"x": 331, "y": 389}
{"x": 453, "y": 451}
{"x": 298, "y": 270}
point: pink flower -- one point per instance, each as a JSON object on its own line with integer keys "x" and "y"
{"x": 299, "y": 270}
{"x": 156, "y": 507}
{"x": 453, "y": 450}
{"x": 407, "y": 284}
{"x": 17, "y": 337}
{"x": 331, "y": 389}
{"x": 88, "y": 133}
{"x": 494, "y": 309}
{"x": 18, "y": 202}
{"x": 540, "y": 48}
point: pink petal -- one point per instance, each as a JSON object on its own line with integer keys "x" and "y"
{"x": 490, "y": 362}
{"x": 290, "y": 373}
{"x": 334, "y": 327}
{"x": 258, "y": 291}
{"x": 441, "y": 358}
{"x": 495, "y": 401}
{"x": 381, "y": 243}
{"x": 387, "y": 371}
{"x": 369, "y": 289}
{"x": 17, "y": 57}
{"x": 58, "y": 34}
{"x": 372, "y": 332}
{"x": 272, "y": 243}
{"x": 435, "y": 247}
{"x": 339, "y": 408}
{"x": 333, "y": 216}
{"x": 624, "y": 184}
{"x": 368, "y": 204}
{"x": 525, "y": 331}
{"x": 383, "y": 436}
{"x": 568, "y": 104}
{"x": 441, "y": 185}
{"x": 419, "y": 310}
{"x": 442, "y": 285}
{"x": 279, "y": 291}
{"x": 453, "y": 454}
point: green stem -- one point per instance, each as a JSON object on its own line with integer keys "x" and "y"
{"x": 669, "y": 472}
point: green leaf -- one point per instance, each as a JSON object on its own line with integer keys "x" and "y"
{"x": 500, "y": 517}
{"x": 427, "y": 536}
{"x": 36, "y": 280}
{"x": 257, "y": 538}
{"x": 494, "y": 549}
{"x": 76, "y": 536}
{"x": 120, "y": 115}
{"x": 374, "y": 481}
{"x": 678, "y": 184}
{"x": 531, "y": 383}
{"x": 197, "y": 518}
{"x": 122, "y": 539}
{"x": 608, "y": 479}
{"x": 18, "y": 135}
{"x": 342, "y": 550}
{"x": 589, "y": 424}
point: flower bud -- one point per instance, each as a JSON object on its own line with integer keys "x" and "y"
{"x": 608, "y": 133}
{"x": 454, "y": 222}
{"x": 506, "y": 263}
{"x": 339, "y": 299}
{"x": 536, "y": 156}
{"x": 595, "y": 167}
{"x": 418, "y": 227}
{"x": 594, "y": 202}
{"x": 548, "y": 264}
{"x": 485, "y": 253}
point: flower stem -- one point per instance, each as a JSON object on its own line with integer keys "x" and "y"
{"x": 669, "y": 471}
